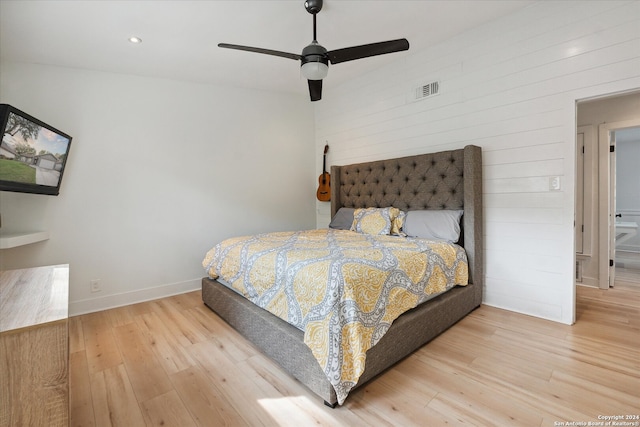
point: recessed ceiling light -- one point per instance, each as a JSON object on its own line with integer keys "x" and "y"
{"x": 134, "y": 39}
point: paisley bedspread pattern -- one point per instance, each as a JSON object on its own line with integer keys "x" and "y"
{"x": 343, "y": 289}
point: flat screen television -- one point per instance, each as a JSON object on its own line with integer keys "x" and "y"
{"x": 33, "y": 154}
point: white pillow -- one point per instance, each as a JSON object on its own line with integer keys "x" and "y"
{"x": 433, "y": 224}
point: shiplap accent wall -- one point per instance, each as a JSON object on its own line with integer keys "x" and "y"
{"x": 509, "y": 87}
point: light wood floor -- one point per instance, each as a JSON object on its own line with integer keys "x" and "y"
{"x": 627, "y": 278}
{"x": 172, "y": 362}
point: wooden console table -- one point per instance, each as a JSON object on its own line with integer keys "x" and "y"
{"x": 34, "y": 346}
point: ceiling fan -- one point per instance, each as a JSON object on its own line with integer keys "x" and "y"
{"x": 315, "y": 58}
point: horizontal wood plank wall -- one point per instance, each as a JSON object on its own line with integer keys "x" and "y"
{"x": 510, "y": 87}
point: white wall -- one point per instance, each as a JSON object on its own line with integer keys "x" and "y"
{"x": 158, "y": 172}
{"x": 509, "y": 87}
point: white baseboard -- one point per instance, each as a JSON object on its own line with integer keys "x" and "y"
{"x": 106, "y": 302}
{"x": 589, "y": 281}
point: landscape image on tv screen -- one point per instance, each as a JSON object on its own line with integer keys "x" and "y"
{"x": 31, "y": 153}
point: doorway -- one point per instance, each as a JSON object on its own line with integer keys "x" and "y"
{"x": 627, "y": 203}
{"x": 606, "y": 141}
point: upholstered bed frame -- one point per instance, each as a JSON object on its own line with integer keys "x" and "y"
{"x": 444, "y": 180}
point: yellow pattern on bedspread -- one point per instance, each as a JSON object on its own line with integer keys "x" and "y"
{"x": 342, "y": 288}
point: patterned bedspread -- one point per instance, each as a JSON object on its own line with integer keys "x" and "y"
{"x": 342, "y": 288}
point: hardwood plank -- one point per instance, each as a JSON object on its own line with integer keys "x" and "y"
{"x": 459, "y": 412}
{"x": 166, "y": 410}
{"x": 172, "y": 356}
{"x": 206, "y": 404}
{"x": 232, "y": 381}
{"x": 488, "y": 399}
{"x": 627, "y": 271}
{"x": 147, "y": 376}
{"x": 599, "y": 399}
{"x": 465, "y": 347}
{"x": 619, "y": 359}
{"x": 364, "y": 407}
{"x": 120, "y": 316}
{"x": 288, "y": 401}
{"x": 509, "y": 320}
{"x": 141, "y": 308}
{"x": 80, "y": 402}
{"x": 530, "y": 391}
{"x": 185, "y": 332}
{"x": 76, "y": 336}
{"x": 626, "y": 299}
{"x": 114, "y": 401}
{"x": 413, "y": 387}
{"x": 100, "y": 344}
{"x": 383, "y": 403}
{"x": 208, "y": 320}
{"x": 224, "y": 335}
{"x": 187, "y": 301}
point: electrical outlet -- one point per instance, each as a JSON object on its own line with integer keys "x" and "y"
{"x": 94, "y": 285}
{"x": 554, "y": 183}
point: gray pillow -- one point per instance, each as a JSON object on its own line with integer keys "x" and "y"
{"x": 343, "y": 219}
{"x": 433, "y": 225}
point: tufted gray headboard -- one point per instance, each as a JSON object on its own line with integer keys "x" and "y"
{"x": 443, "y": 180}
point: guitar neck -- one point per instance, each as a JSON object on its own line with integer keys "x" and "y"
{"x": 324, "y": 162}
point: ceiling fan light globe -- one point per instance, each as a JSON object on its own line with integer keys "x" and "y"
{"x": 315, "y": 70}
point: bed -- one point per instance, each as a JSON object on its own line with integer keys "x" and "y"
{"x": 443, "y": 181}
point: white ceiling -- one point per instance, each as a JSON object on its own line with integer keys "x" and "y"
{"x": 180, "y": 37}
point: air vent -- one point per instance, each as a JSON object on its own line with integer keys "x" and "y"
{"x": 427, "y": 90}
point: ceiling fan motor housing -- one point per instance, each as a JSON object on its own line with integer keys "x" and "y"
{"x": 314, "y": 53}
{"x": 314, "y": 62}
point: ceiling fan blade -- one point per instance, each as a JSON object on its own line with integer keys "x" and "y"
{"x": 260, "y": 50}
{"x": 367, "y": 50}
{"x": 315, "y": 89}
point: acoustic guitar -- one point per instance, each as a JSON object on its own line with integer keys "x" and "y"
{"x": 324, "y": 181}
